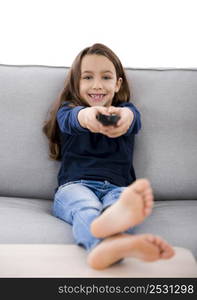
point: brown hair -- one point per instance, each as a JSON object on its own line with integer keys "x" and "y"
{"x": 70, "y": 93}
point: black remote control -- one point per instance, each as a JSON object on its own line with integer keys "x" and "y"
{"x": 108, "y": 120}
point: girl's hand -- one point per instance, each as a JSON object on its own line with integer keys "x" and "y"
{"x": 87, "y": 118}
{"x": 122, "y": 126}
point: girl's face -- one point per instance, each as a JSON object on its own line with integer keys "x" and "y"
{"x": 98, "y": 82}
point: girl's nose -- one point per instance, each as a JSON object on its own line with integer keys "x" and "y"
{"x": 97, "y": 84}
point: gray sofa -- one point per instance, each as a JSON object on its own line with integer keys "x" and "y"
{"x": 165, "y": 153}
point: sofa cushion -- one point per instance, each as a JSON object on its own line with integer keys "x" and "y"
{"x": 31, "y": 221}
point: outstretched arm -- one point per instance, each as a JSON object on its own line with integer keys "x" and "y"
{"x": 129, "y": 120}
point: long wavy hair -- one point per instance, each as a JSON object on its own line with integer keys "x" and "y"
{"x": 71, "y": 93}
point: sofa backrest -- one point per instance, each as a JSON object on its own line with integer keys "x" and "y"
{"x": 165, "y": 148}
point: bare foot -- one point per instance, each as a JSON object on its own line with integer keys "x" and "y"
{"x": 145, "y": 247}
{"x": 135, "y": 203}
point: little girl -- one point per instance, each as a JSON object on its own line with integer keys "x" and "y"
{"x": 97, "y": 192}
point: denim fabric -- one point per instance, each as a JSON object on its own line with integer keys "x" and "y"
{"x": 80, "y": 202}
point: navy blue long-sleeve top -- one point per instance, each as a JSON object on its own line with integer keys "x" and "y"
{"x": 94, "y": 156}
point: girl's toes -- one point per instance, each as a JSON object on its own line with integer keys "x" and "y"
{"x": 149, "y": 202}
{"x": 148, "y": 206}
{"x": 148, "y": 191}
{"x": 140, "y": 185}
{"x": 147, "y": 211}
{"x": 150, "y": 238}
{"x": 148, "y": 196}
{"x": 167, "y": 252}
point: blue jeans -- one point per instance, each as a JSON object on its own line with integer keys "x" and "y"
{"x": 80, "y": 202}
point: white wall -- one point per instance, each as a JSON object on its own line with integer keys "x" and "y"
{"x": 143, "y": 33}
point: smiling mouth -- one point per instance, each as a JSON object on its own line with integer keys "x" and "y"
{"x": 96, "y": 97}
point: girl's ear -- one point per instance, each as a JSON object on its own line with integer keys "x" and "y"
{"x": 118, "y": 84}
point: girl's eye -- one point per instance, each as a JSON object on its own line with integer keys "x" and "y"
{"x": 87, "y": 77}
